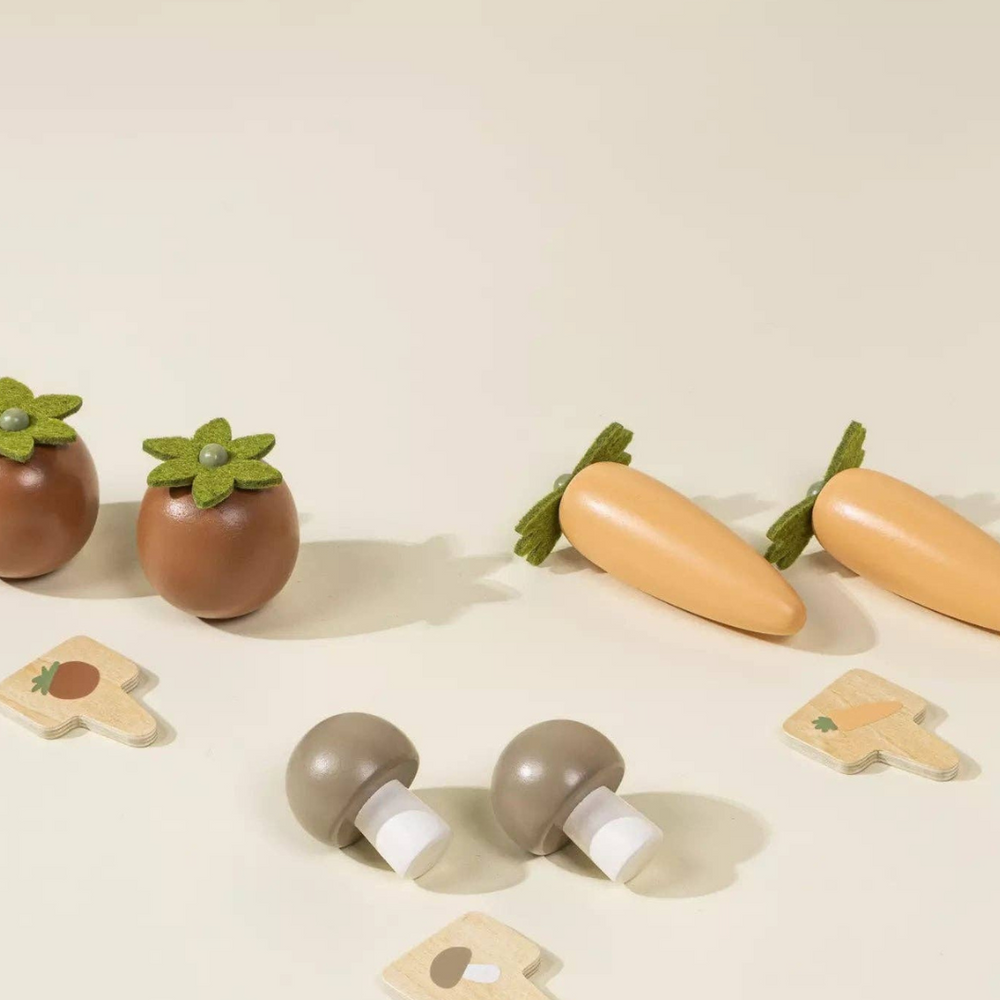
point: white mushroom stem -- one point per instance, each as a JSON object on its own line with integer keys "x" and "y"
{"x": 405, "y": 831}
{"x": 614, "y": 835}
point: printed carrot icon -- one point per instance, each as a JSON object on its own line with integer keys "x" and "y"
{"x": 896, "y": 536}
{"x": 846, "y": 719}
{"x": 650, "y": 536}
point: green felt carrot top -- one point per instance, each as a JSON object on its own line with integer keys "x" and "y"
{"x": 791, "y": 533}
{"x": 212, "y": 462}
{"x": 539, "y": 528}
{"x": 27, "y": 420}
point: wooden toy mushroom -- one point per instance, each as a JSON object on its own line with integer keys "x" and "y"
{"x": 556, "y": 781}
{"x": 349, "y": 777}
{"x": 48, "y": 483}
{"x": 657, "y": 540}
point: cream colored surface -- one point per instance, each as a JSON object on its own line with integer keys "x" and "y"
{"x": 896, "y": 738}
{"x": 108, "y": 709}
{"x": 490, "y": 943}
{"x": 442, "y": 244}
{"x": 906, "y": 541}
{"x": 648, "y": 535}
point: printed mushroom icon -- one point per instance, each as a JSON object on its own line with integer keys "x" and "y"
{"x": 556, "y": 781}
{"x": 349, "y": 777}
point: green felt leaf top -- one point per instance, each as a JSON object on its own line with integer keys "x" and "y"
{"x": 45, "y": 420}
{"x": 539, "y": 528}
{"x": 791, "y": 533}
{"x": 824, "y": 724}
{"x": 210, "y": 485}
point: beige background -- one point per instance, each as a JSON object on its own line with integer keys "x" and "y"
{"x": 435, "y": 247}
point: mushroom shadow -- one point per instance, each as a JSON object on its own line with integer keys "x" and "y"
{"x": 836, "y": 625}
{"x": 479, "y": 859}
{"x": 165, "y": 733}
{"x": 979, "y": 508}
{"x": 107, "y": 567}
{"x": 345, "y": 588}
{"x": 704, "y": 841}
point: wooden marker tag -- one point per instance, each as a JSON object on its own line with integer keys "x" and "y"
{"x": 79, "y": 683}
{"x": 861, "y": 718}
{"x": 474, "y": 958}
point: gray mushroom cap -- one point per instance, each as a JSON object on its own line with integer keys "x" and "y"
{"x": 338, "y": 765}
{"x": 544, "y": 773}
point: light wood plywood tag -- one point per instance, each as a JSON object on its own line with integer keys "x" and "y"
{"x": 474, "y": 958}
{"x": 79, "y": 683}
{"x": 861, "y": 718}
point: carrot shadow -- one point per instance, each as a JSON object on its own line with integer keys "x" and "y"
{"x": 979, "y": 508}
{"x": 345, "y": 588}
{"x": 836, "y": 625}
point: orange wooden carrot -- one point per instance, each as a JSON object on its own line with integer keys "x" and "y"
{"x": 650, "y": 536}
{"x": 896, "y": 536}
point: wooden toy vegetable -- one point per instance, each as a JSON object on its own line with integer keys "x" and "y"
{"x": 556, "y": 782}
{"x": 657, "y": 540}
{"x": 49, "y": 495}
{"x": 350, "y": 777}
{"x": 218, "y": 531}
{"x": 894, "y": 535}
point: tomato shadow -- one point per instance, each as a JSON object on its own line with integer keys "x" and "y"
{"x": 106, "y": 568}
{"x": 356, "y": 587}
{"x": 705, "y": 840}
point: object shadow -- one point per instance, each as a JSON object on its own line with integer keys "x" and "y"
{"x": 836, "y": 625}
{"x": 345, "y": 588}
{"x": 979, "y": 508}
{"x": 479, "y": 860}
{"x": 148, "y": 681}
{"x": 548, "y": 968}
{"x": 737, "y": 507}
{"x": 705, "y": 840}
{"x": 968, "y": 768}
{"x": 107, "y": 567}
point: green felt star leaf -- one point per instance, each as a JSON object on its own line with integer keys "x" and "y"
{"x": 171, "y": 447}
{"x": 216, "y": 431}
{"x": 210, "y": 485}
{"x": 56, "y": 406}
{"x": 539, "y": 528}
{"x": 45, "y": 425}
{"x": 792, "y": 532}
{"x": 253, "y": 446}
{"x": 253, "y": 474}
{"x": 175, "y": 472}
{"x": 49, "y": 430}
{"x": 18, "y": 445}
{"x": 824, "y": 725}
{"x": 14, "y": 393}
